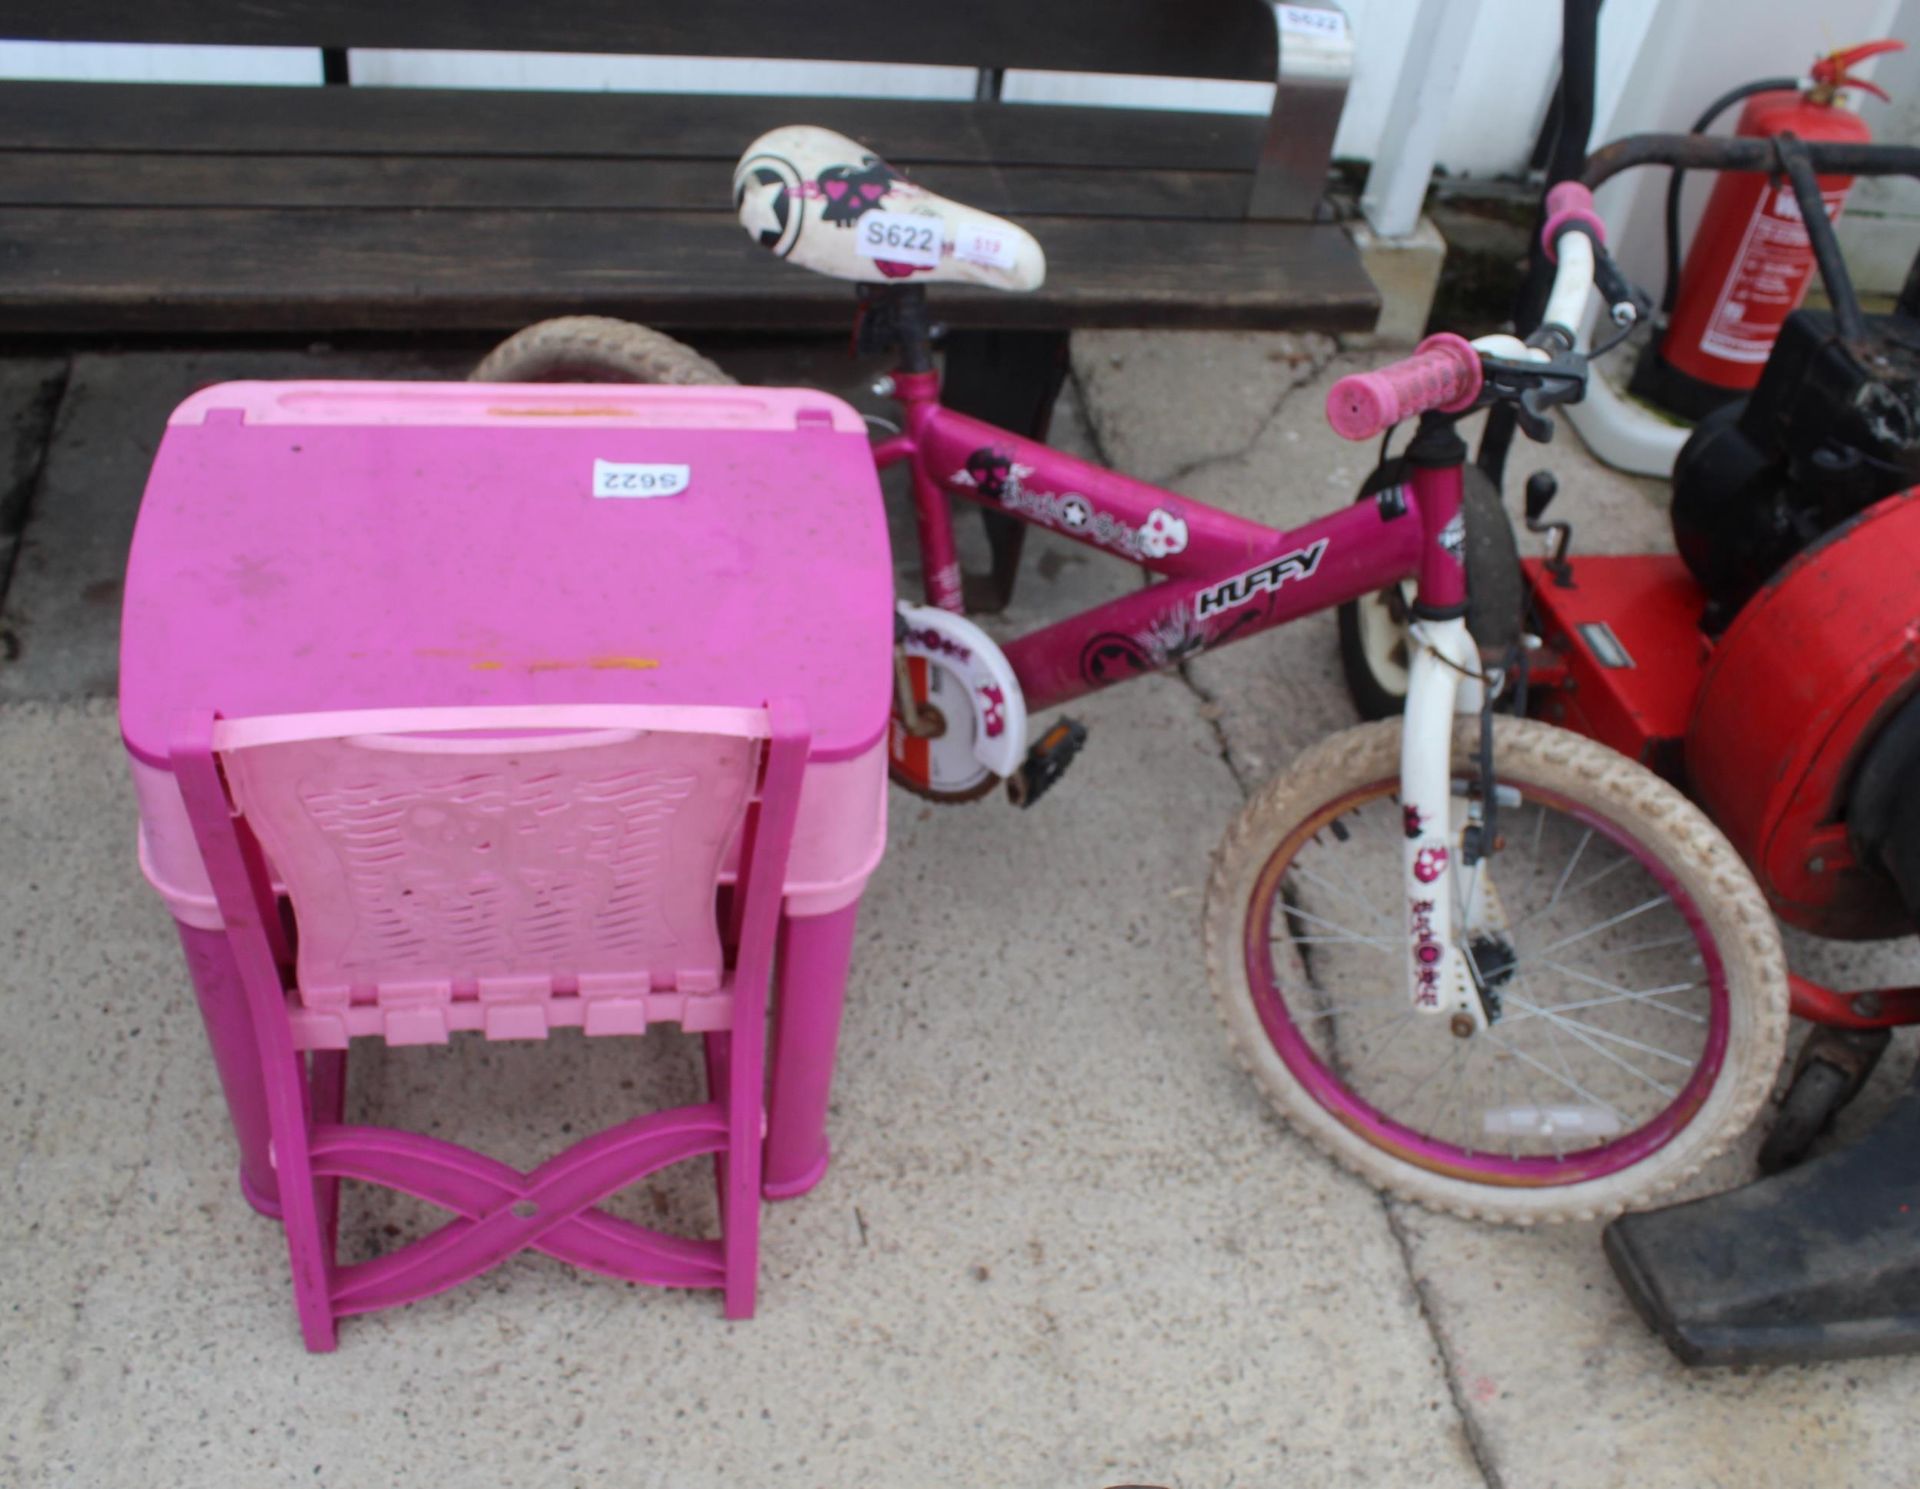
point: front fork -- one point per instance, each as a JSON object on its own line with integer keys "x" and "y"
{"x": 1444, "y": 680}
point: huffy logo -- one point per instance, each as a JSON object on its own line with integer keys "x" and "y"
{"x": 1300, "y": 564}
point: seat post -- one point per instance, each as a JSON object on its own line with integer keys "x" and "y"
{"x": 895, "y": 316}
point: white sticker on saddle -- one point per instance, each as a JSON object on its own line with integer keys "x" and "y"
{"x": 988, "y": 246}
{"x": 618, "y": 479}
{"x": 899, "y": 238}
{"x": 1303, "y": 20}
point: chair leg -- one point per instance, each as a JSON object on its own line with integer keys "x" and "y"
{"x": 307, "y": 1250}
{"x": 328, "y": 1078}
{"x": 737, "y": 1173}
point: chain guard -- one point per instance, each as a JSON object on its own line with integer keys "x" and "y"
{"x": 963, "y": 680}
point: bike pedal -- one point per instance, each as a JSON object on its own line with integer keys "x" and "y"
{"x": 1046, "y": 762}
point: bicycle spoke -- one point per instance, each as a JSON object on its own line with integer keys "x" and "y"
{"x": 1381, "y": 1012}
{"x": 1500, "y": 1092}
{"x": 1346, "y": 888}
{"x": 1594, "y": 930}
{"x": 1460, "y": 1089}
{"x": 1647, "y": 998}
{"x": 1406, "y": 1019}
{"x": 1660, "y": 945}
{"x": 1566, "y": 1080}
{"x": 1332, "y": 925}
{"x": 1572, "y": 1024}
{"x": 1420, "y": 1084}
{"x": 1565, "y": 874}
{"x": 1557, "y": 1024}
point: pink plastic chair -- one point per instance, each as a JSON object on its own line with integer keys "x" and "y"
{"x": 504, "y": 870}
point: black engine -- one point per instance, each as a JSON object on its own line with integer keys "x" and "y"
{"x": 1833, "y": 427}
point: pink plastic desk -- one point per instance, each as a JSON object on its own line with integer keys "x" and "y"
{"x": 307, "y": 547}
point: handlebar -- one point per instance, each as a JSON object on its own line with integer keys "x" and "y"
{"x": 1443, "y": 373}
{"x": 1570, "y": 205}
{"x": 1575, "y": 240}
{"x": 1448, "y": 374}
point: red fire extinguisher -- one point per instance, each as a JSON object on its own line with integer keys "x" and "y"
{"x": 1750, "y": 260}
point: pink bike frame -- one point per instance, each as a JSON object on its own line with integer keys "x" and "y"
{"x": 1225, "y": 577}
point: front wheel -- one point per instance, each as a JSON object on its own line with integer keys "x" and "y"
{"x": 1630, "y": 970}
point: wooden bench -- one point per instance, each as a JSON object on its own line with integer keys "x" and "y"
{"x": 163, "y": 208}
{"x": 155, "y": 208}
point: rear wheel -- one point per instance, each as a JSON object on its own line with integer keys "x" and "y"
{"x": 594, "y": 349}
{"x": 1373, "y": 628}
{"x": 1630, "y": 969}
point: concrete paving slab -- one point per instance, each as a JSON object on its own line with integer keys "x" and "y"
{"x": 1063, "y": 1241}
{"x": 63, "y": 608}
{"x": 1163, "y": 402}
{"x": 1060, "y": 1243}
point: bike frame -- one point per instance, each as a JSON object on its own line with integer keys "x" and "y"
{"x": 1225, "y": 578}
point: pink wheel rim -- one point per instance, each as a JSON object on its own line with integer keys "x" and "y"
{"x": 1433, "y": 1154}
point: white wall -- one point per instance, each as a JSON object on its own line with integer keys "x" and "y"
{"x": 1881, "y": 228}
{"x": 91, "y": 63}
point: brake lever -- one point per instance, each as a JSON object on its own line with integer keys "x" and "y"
{"x": 1531, "y": 415}
{"x": 1533, "y": 388}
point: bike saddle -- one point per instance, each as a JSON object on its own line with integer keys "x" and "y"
{"x": 827, "y": 203}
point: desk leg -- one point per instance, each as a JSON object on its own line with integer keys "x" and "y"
{"x": 815, "y": 952}
{"x": 223, "y": 1009}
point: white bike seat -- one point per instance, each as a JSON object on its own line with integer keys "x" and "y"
{"x": 827, "y": 203}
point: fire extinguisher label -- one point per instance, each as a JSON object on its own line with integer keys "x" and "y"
{"x": 1769, "y": 275}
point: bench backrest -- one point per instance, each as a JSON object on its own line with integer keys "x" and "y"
{"x": 1304, "y": 48}
{"x": 1191, "y": 38}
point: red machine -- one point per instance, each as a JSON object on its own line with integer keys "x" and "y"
{"x": 1751, "y": 260}
{"x": 1772, "y": 667}
{"x": 1765, "y": 725}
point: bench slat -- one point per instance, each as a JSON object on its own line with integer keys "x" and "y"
{"x": 219, "y": 270}
{"x": 1177, "y": 38}
{"x": 132, "y": 179}
{"x": 448, "y": 121}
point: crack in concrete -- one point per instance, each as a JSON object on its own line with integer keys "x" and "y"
{"x": 1211, "y": 714}
{"x": 37, "y": 423}
{"x": 1315, "y": 365}
{"x": 1479, "y": 1449}
{"x": 1478, "y": 1446}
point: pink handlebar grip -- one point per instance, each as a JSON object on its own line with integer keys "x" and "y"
{"x": 1443, "y": 373}
{"x": 1568, "y": 203}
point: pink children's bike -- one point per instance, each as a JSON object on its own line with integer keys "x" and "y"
{"x": 1486, "y": 963}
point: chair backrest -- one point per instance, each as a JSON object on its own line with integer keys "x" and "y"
{"x": 478, "y": 852}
